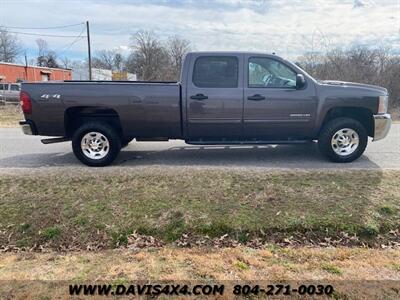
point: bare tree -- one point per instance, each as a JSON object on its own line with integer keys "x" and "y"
{"x": 51, "y": 60}
{"x": 42, "y": 47}
{"x": 359, "y": 64}
{"x": 109, "y": 60}
{"x": 149, "y": 60}
{"x": 118, "y": 62}
{"x": 66, "y": 62}
{"x": 46, "y": 57}
{"x": 177, "y": 48}
{"x": 104, "y": 59}
{"x": 9, "y": 46}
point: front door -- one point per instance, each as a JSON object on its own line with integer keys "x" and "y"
{"x": 274, "y": 108}
{"x": 215, "y": 97}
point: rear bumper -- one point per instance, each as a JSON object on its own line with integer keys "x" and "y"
{"x": 382, "y": 124}
{"x": 28, "y": 127}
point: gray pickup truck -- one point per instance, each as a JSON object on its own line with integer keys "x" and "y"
{"x": 9, "y": 92}
{"x": 221, "y": 98}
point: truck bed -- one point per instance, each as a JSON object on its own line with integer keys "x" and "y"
{"x": 145, "y": 109}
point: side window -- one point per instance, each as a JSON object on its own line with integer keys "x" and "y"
{"x": 1, "y": 87}
{"x": 270, "y": 73}
{"x": 15, "y": 87}
{"x": 216, "y": 72}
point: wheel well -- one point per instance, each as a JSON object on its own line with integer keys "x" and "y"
{"x": 74, "y": 117}
{"x": 363, "y": 115}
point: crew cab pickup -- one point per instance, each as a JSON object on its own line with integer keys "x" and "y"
{"x": 221, "y": 98}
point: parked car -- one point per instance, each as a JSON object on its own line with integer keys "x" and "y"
{"x": 222, "y": 98}
{"x": 9, "y": 92}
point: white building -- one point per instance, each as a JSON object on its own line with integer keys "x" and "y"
{"x": 82, "y": 73}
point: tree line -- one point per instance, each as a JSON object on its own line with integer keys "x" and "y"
{"x": 149, "y": 57}
{"x": 153, "y": 59}
{"x": 358, "y": 64}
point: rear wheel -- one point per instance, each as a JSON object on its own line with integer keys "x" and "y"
{"x": 343, "y": 140}
{"x": 96, "y": 144}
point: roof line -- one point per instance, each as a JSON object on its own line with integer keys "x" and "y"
{"x": 32, "y": 66}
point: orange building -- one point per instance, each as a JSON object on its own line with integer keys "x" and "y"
{"x": 10, "y": 72}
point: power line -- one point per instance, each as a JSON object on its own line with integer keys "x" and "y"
{"x": 65, "y": 48}
{"x": 35, "y": 28}
{"x": 40, "y": 34}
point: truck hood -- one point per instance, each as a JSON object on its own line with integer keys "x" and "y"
{"x": 370, "y": 87}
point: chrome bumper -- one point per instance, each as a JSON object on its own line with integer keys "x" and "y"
{"x": 382, "y": 125}
{"x": 26, "y": 127}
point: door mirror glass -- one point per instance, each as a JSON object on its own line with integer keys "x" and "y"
{"x": 300, "y": 81}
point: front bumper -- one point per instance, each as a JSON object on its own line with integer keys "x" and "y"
{"x": 27, "y": 127}
{"x": 382, "y": 124}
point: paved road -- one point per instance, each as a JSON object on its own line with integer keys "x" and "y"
{"x": 21, "y": 151}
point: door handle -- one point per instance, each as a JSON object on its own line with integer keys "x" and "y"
{"x": 199, "y": 97}
{"x": 256, "y": 97}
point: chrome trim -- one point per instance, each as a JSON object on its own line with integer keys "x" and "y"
{"x": 95, "y": 145}
{"x": 382, "y": 124}
{"x": 383, "y": 104}
{"x": 345, "y": 141}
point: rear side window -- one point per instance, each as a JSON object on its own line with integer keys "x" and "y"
{"x": 15, "y": 87}
{"x": 216, "y": 72}
{"x": 1, "y": 87}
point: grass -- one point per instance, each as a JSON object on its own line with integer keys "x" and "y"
{"x": 76, "y": 212}
{"x": 197, "y": 263}
{"x": 10, "y": 115}
{"x": 353, "y": 272}
{"x": 332, "y": 269}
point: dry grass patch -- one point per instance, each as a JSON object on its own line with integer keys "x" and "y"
{"x": 170, "y": 263}
{"x": 28, "y": 275}
{"x": 10, "y": 115}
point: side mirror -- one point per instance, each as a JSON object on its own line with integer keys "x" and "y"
{"x": 300, "y": 81}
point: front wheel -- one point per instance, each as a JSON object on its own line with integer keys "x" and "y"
{"x": 96, "y": 144}
{"x": 343, "y": 140}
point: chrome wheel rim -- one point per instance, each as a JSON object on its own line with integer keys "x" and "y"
{"x": 95, "y": 145}
{"x": 345, "y": 141}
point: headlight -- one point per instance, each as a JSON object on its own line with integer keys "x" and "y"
{"x": 383, "y": 104}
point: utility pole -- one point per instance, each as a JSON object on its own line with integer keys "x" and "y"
{"x": 26, "y": 66}
{"x": 89, "y": 54}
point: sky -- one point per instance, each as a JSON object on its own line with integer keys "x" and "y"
{"x": 287, "y": 27}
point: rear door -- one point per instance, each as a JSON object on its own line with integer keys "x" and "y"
{"x": 14, "y": 93}
{"x": 273, "y": 107}
{"x": 215, "y": 97}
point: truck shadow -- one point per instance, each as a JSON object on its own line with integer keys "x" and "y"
{"x": 267, "y": 156}
{"x": 304, "y": 156}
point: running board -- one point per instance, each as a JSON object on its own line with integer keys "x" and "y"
{"x": 155, "y": 139}
{"x": 247, "y": 142}
{"x": 55, "y": 140}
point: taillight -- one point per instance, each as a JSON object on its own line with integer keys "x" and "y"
{"x": 26, "y": 103}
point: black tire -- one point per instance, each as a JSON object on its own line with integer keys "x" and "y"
{"x": 332, "y": 127}
{"x": 125, "y": 142}
{"x": 114, "y": 143}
